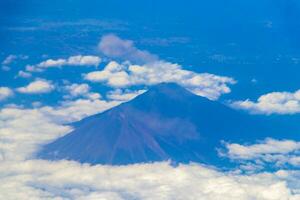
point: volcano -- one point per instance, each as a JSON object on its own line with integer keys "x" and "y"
{"x": 167, "y": 122}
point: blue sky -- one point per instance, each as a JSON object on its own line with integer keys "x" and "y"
{"x": 254, "y": 43}
{"x": 241, "y": 40}
{"x": 64, "y": 60}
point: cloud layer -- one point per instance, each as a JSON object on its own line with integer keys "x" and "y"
{"x": 22, "y": 131}
{"x": 36, "y": 179}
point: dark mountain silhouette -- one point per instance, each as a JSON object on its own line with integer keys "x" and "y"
{"x": 165, "y": 123}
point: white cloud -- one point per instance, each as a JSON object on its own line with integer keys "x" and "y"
{"x": 37, "y": 87}
{"x": 269, "y": 146}
{"x": 22, "y": 130}
{"x": 23, "y": 74}
{"x": 123, "y": 95}
{"x": 84, "y": 60}
{"x": 275, "y": 102}
{"x": 125, "y": 75}
{"x": 80, "y": 90}
{"x": 5, "y": 93}
{"x": 277, "y": 152}
{"x": 76, "y": 90}
{"x": 114, "y": 47}
{"x": 78, "y": 60}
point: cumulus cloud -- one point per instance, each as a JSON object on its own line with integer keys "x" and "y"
{"x": 78, "y": 60}
{"x": 125, "y": 75}
{"x": 114, "y": 47}
{"x": 272, "y": 103}
{"x": 276, "y": 152}
{"x": 5, "y": 93}
{"x": 80, "y": 90}
{"x": 37, "y": 87}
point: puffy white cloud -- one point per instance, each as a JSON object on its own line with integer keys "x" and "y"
{"x": 114, "y": 47}
{"x": 275, "y": 102}
{"x": 78, "y": 60}
{"x": 125, "y": 75}
{"x": 123, "y": 95}
{"x": 76, "y": 90}
{"x": 80, "y": 90}
{"x": 5, "y": 92}
{"x": 278, "y": 152}
{"x": 37, "y": 87}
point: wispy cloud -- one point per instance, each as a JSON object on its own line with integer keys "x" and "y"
{"x": 24, "y": 74}
{"x": 123, "y": 95}
{"x": 78, "y": 60}
{"x": 87, "y": 24}
{"x": 114, "y": 47}
{"x": 10, "y": 59}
